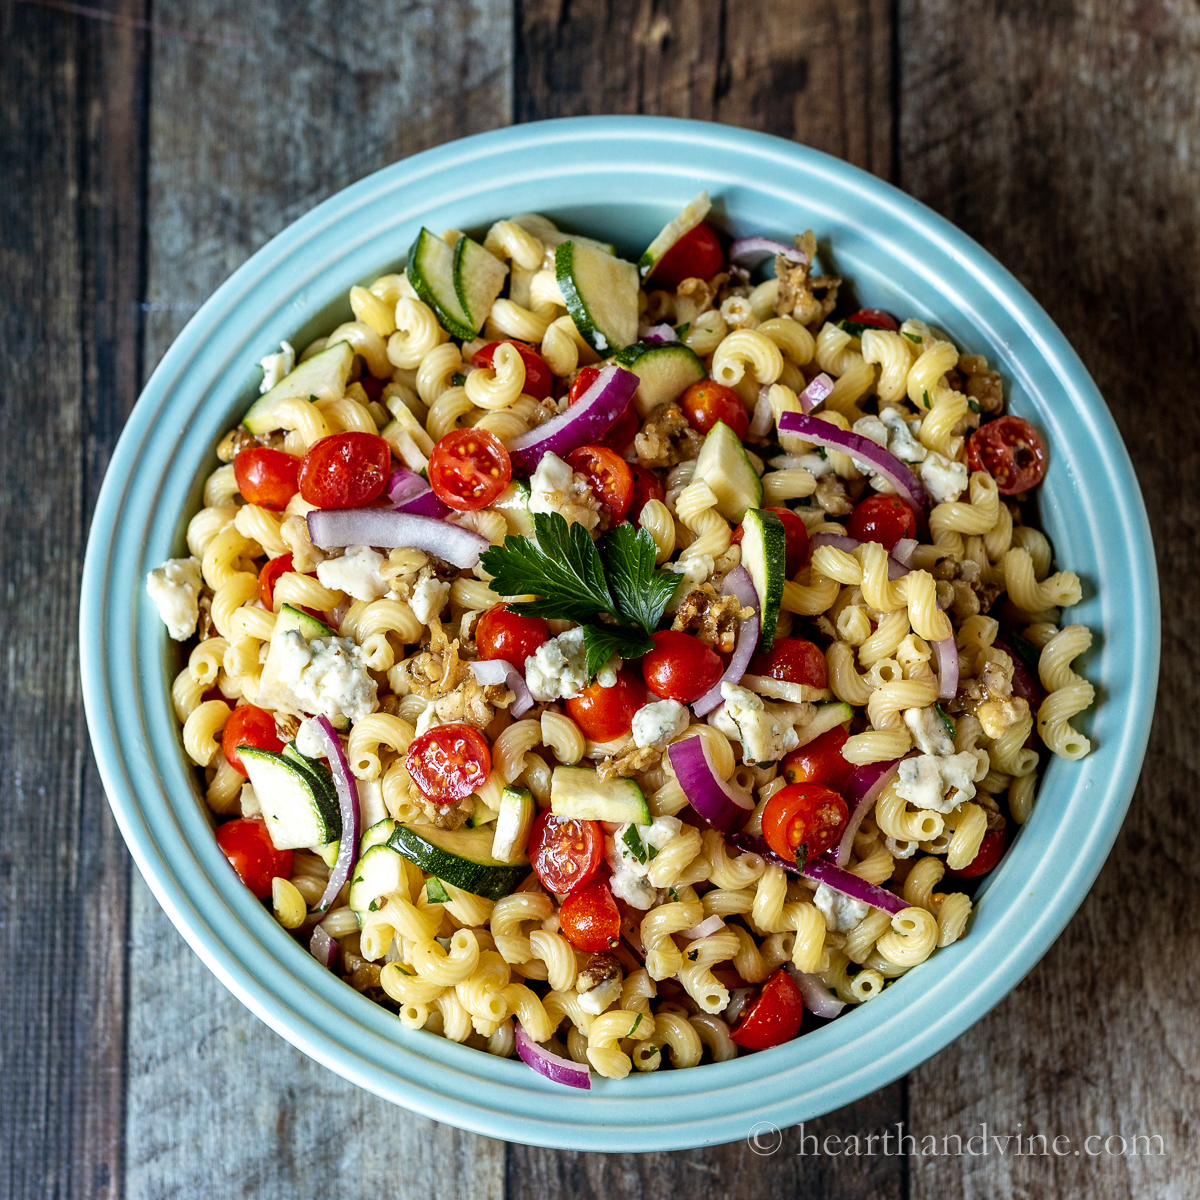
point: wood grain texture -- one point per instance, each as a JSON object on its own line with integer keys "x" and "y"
{"x": 70, "y": 138}
{"x": 299, "y": 101}
{"x": 1063, "y": 136}
{"x": 813, "y": 70}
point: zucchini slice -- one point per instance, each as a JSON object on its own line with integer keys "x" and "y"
{"x": 378, "y": 872}
{"x": 431, "y": 272}
{"x": 299, "y": 812}
{"x": 517, "y": 812}
{"x": 322, "y": 377}
{"x": 579, "y": 792}
{"x": 724, "y": 465}
{"x": 672, "y": 232}
{"x": 666, "y": 372}
{"x": 601, "y": 294}
{"x": 377, "y": 834}
{"x": 827, "y": 717}
{"x": 763, "y": 555}
{"x": 462, "y": 857}
{"x": 478, "y": 279}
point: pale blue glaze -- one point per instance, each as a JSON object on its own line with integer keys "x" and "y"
{"x": 619, "y": 178}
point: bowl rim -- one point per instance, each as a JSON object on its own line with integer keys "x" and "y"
{"x": 280, "y": 983}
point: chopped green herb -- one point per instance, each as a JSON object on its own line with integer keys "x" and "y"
{"x": 854, "y": 328}
{"x": 651, "y": 1051}
{"x": 633, "y": 841}
{"x": 801, "y": 856}
{"x": 373, "y": 906}
{"x": 975, "y": 406}
{"x": 634, "y": 1026}
{"x": 672, "y": 893}
{"x": 601, "y": 642}
{"x": 914, "y": 337}
{"x": 944, "y": 717}
{"x": 681, "y": 332}
{"x": 1025, "y": 650}
{"x": 435, "y": 892}
{"x": 404, "y": 970}
{"x": 821, "y": 454}
{"x": 642, "y": 592}
{"x": 457, "y": 379}
{"x": 926, "y": 395}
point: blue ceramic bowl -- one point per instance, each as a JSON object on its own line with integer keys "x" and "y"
{"x": 617, "y": 178}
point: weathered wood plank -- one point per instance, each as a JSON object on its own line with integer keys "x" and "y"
{"x": 245, "y": 136}
{"x": 812, "y": 70}
{"x": 805, "y": 69}
{"x": 1062, "y": 136}
{"x": 70, "y": 130}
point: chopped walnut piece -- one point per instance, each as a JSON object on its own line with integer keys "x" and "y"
{"x": 444, "y": 816}
{"x": 667, "y": 438}
{"x": 600, "y": 969}
{"x": 831, "y": 496}
{"x": 204, "y": 625}
{"x": 629, "y": 762}
{"x": 712, "y": 618}
{"x": 807, "y": 299}
{"x": 702, "y": 292}
{"x": 982, "y": 385}
{"x": 360, "y": 974}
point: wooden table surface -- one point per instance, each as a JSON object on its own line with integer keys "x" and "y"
{"x": 147, "y": 149}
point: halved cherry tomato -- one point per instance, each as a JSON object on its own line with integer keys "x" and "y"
{"x": 248, "y": 726}
{"x": 875, "y": 317}
{"x": 539, "y": 379}
{"x": 248, "y": 846}
{"x": 792, "y": 660}
{"x": 624, "y": 429}
{"x": 990, "y": 851}
{"x": 449, "y": 762}
{"x": 646, "y": 487}
{"x": 266, "y": 477}
{"x": 681, "y": 667}
{"x": 469, "y": 468}
{"x": 269, "y": 575}
{"x": 1010, "y": 451}
{"x": 590, "y": 918}
{"x": 504, "y": 634}
{"x": 345, "y": 470}
{"x": 804, "y": 814}
{"x": 697, "y": 255}
{"x": 820, "y": 761}
{"x": 774, "y": 1017}
{"x": 707, "y": 402}
{"x": 882, "y": 519}
{"x": 607, "y": 713}
{"x": 795, "y": 532}
{"x": 609, "y": 476}
{"x": 565, "y": 853}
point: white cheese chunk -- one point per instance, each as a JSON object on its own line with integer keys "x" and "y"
{"x": 655, "y": 725}
{"x": 326, "y": 676}
{"x": 929, "y": 731}
{"x": 356, "y": 573}
{"x": 628, "y": 881}
{"x": 276, "y": 367}
{"x": 841, "y": 912}
{"x": 941, "y": 782}
{"x": 557, "y": 670}
{"x": 554, "y": 487}
{"x": 602, "y": 996}
{"x": 429, "y": 596}
{"x": 175, "y": 589}
{"x": 767, "y": 731}
{"x": 946, "y": 480}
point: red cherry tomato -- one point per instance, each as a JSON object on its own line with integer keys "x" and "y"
{"x": 986, "y": 857}
{"x": 449, "y": 762}
{"x": 590, "y": 918}
{"x": 820, "y": 761}
{"x": 697, "y": 255}
{"x": 795, "y": 532}
{"x": 875, "y": 317}
{"x": 883, "y": 519}
{"x": 539, "y": 379}
{"x": 623, "y": 430}
{"x": 792, "y": 660}
{"x": 804, "y": 814}
{"x": 646, "y": 487}
{"x": 345, "y": 470}
{"x": 707, "y": 402}
{"x": 609, "y": 476}
{"x": 269, "y": 576}
{"x": 607, "y": 713}
{"x": 1011, "y": 452}
{"x": 266, "y": 477}
{"x": 681, "y": 667}
{"x": 469, "y": 468}
{"x": 504, "y": 634}
{"x": 774, "y": 1017}
{"x": 584, "y": 379}
{"x": 252, "y": 854}
{"x": 248, "y": 726}
{"x": 565, "y": 853}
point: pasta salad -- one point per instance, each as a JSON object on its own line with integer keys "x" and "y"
{"x": 621, "y": 665}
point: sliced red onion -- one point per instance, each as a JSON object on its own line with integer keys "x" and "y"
{"x": 720, "y": 805}
{"x": 500, "y": 670}
{"x": 841, "y": 541}
{"x": 332, "y": 528}
{"x": 947, "y": 660}
{"x": 903, "y": 550}
{"x": 841, "y": 880}
{"x": 749, "y": 251}
{"x": 584, "y": 423}
{"x": 423, "y": 504}
{"x": 659, "y": 333}
{"x": 323, "y": 948}
{"x": 860, "y": 793}
{"x": 347, "y": 792}
{"x": 553, "y": 1066}
{"x": 737, "y": 583}
{"x": 881, "y": 461}
{"x": 823, "y": 871}
{"x": 404, "y": 483}
{"x": 760, "y": 421}
{"x": 818, "y": 999}
{"x": 704, "y": 928}
{"x": 816, "y": 393}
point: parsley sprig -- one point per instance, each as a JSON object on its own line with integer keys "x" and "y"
{"x": 615, "y": 592}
